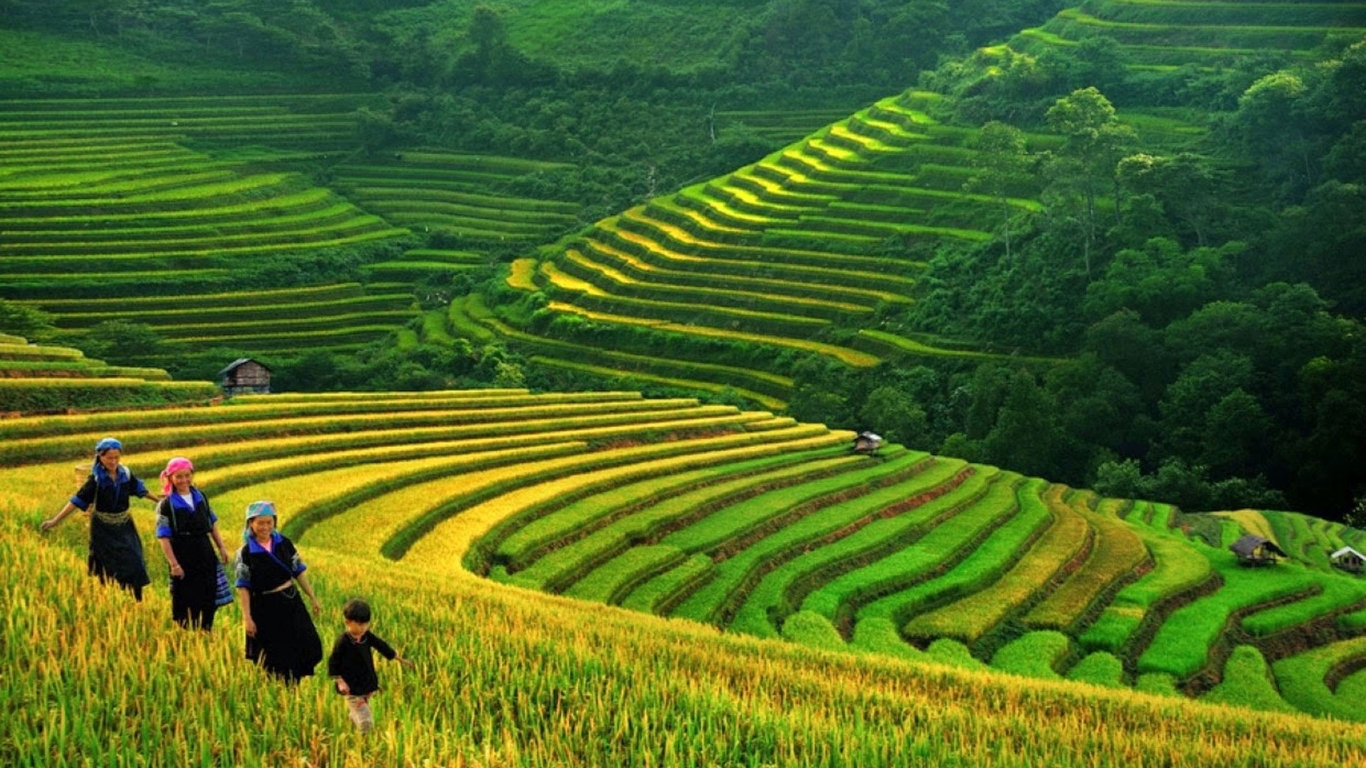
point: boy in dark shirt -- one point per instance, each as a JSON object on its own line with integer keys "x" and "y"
{"x": 353, "y": 666}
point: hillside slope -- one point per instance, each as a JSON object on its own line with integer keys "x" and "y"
{"x": 759, "y": 525}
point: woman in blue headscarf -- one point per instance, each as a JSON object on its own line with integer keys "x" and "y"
{"x": 115, "y": 547}
{"x": 270, "y": 575}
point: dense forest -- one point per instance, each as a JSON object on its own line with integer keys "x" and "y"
{"x": 1205, "y": 297}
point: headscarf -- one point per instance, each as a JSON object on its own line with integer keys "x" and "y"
{"x": 97, "y": 469}
{"x": 254, "y": 510}
{"x": 173, "y": 466}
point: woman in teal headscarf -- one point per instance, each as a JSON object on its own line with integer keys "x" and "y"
{"x": 270, "y": 575}
{"x": 115, "y": 547}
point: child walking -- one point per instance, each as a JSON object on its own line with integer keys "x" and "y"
{"x": 353, "y": 666}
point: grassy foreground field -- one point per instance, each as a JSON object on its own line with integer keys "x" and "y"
{"x": 505, "y": 676}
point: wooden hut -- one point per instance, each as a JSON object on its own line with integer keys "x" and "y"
{"x": 867, "y": 442}
{"x": 1349, "y": 560}
{"x": 1255, "y": 550}
{"x": 245, "y": 376}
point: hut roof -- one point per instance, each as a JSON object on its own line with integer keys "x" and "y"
{"x": 1247, "y": 546}
{"x": 238, "y": 363}
{"x": 1347, "y": 551}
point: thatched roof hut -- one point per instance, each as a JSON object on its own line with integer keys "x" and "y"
{"x": 1255, "y": 550}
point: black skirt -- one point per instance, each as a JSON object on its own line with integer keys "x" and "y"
{"x": 286, "y": 642}
{"x": 198, "y": 586}
{"x": 116, "y": 553}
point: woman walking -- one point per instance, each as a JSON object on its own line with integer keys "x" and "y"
{"x": 270, "y": 574}
{"x": 188, "y": 531}
{"x": 115, "y": 547}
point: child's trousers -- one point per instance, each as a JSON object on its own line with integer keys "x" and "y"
{"x": 359, "y": 708}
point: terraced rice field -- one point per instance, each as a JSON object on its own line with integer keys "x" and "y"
{"x": 779, "y": 255}
{"x": 110, "y": 198}
{"x": 761, "y": 526}
{"x": 470, "y": 196}
{"x": 338, "y": 317}
{"x": 43, "y": 377}
{"x": 1169, "y": 33}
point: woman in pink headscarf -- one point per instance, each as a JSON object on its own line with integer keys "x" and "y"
{"x": 185, "y": 526}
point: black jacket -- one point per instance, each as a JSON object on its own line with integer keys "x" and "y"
{"x": 352, "y": 661}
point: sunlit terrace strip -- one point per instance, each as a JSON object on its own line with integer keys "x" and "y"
{"x": 526, "y": 538}
{"x": 683, "y": 241}
{"x": 884, "y": 520}
{"x": 619, "y": 273}
{"x": 439, "y": 537}
{"x": 556, "y": 568}
{"x": 972, "y": 616}
{"x": 814, "y": 266}
{"x": 843, "y": 354}
{"x": 367, "y": 427}
{"x": 761, "y": 385}
{"x": 339, "y": 214}
{"x": 813, "y": 282}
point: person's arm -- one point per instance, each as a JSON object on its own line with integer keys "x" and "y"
{"x": 242, "y": 579}
{"x": 164, "y": 531}
{"x": 82, "y": 501}
{"x": 52, "y": 522}
{"x": 218, "y": 542}
{"x": 176, "y": 571}
{"x": 250, "y": 626}
{"x": 139, "y": 489}
{"x": 302, "y": 578}
{"x": 387, "y": 651}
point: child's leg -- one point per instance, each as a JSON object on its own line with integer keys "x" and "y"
{"x": 359, "y": 708}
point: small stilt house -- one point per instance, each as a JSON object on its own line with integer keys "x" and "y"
{"x": 1255, "y": 550}
{"x": 867, "y": 442}
{"x": 245, "y": 377}
{"x": 1349, "y": 560}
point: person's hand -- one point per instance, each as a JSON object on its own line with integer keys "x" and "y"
{"x": 47, "y": 525}
{"x": 222, "y": 557}
{"x": 406, "y": 662}
{"x": 343, "y": 687}
{"x": 250, "y": 626}
{"x": 317, "y": 609}
{"x": 177, "y": 572}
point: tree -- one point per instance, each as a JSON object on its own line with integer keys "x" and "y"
{"x": 1159, "y": 281}
{"x": 1095, "y": 141}
{"x": 1025, "y": 436}
{"x": 1237, "y": 436}
{"x": 1188, "y": 186}
{"x": 1271, "y": 122}
{"x": 1000, "y": 162}
{"x": 1189, "y": 401}
{"x": 893, "y": 414}
{"x": 20, "y": 320}
{"x": 122, "y": 342}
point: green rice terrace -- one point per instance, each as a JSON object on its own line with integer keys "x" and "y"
{"x": 767, "y": 527}
{"x": 105, "y": 198}
{"x": 1168, "y": 33}
{"x": 45, "y": 377}
{"x": 777, "y": 255}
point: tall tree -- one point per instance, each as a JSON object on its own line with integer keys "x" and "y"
{"x": 1096, "y": 140}
{"x": 1000, "y": 162}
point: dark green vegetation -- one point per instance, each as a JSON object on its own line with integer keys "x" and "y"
{"x": 1117, "y": 245}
